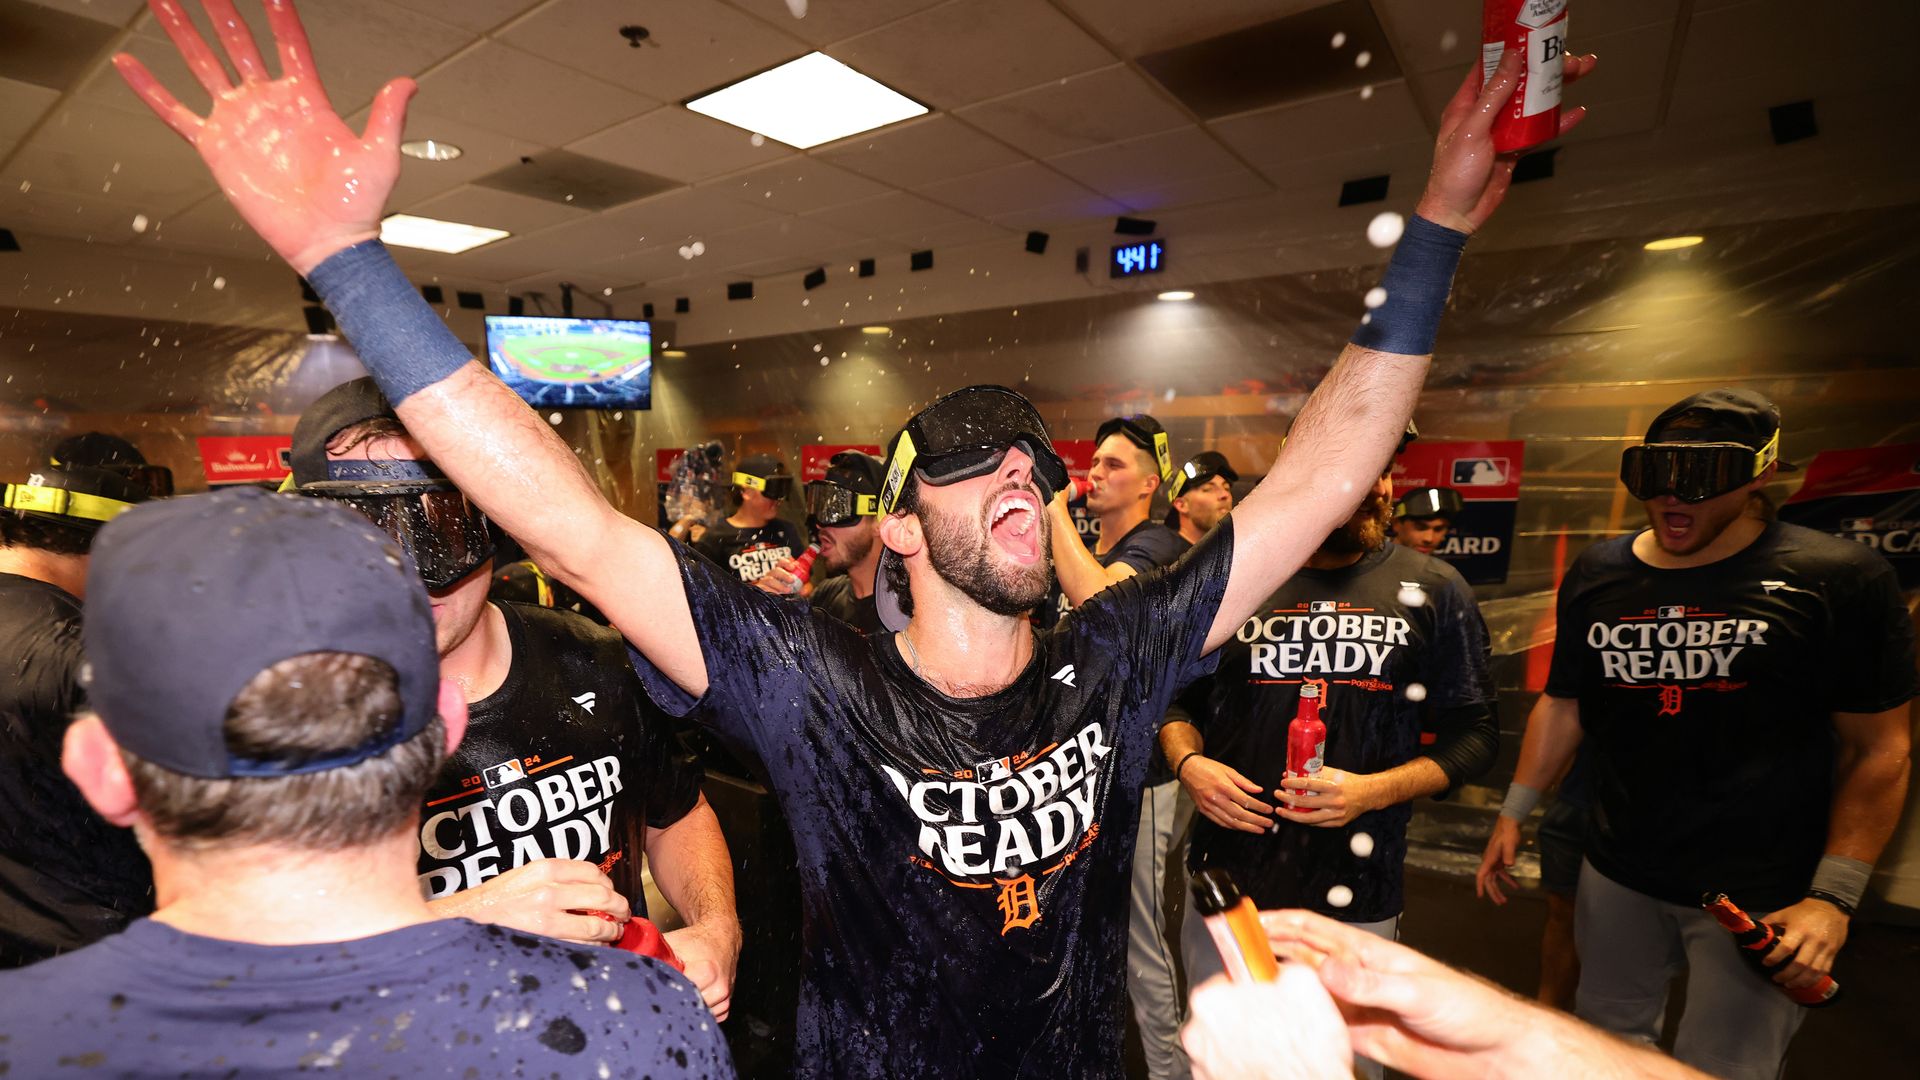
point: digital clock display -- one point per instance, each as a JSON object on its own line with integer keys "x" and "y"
{"x": 1146, "y": 257}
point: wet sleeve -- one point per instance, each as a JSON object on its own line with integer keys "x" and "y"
{"x": 673, "y": 781}
{"x": 1873, "y": 643}
{"x": 1150, "y": 549}
{"x": 1569, "y": 641}
{"x": 1461, "y": 671}
{"x": 758, "y": 648}
{"x": 1466, "y": 741}
{"x": 1155, "y": 624}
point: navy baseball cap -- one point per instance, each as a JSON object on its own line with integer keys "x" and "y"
{"x": 189, "y": 599}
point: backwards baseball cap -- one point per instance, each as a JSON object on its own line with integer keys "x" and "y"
{"x": 412, "y": 501}
{"x": 1199, "y": 469}
{"x": 964, "y": 434}
{"x": 79, "y": 496}
{"x": 850, "y": 491}
{"x": 1144, "y": 432}
{"x": 1703, "y": 446}
{"x": 765, "y": 474}
{"x": 189, "y": 599}
{"x": 100, "y": 450}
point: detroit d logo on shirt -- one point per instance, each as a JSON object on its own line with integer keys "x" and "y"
{"x": 1010, "y": 823}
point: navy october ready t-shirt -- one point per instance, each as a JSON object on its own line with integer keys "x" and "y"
{"x": 964, "y": 863}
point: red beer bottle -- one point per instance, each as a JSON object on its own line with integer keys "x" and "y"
{"x": 1538, "y": 29}
{"x": 1756, "y": 939}
{"x": 1306, "y": 736}
{"x": 803, "y": 566}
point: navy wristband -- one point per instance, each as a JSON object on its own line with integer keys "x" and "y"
{"x": 1418, "y": 279}
{"x": 399, "y": 338}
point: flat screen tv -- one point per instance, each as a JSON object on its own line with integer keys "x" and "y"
{"x": 573, "y": 363}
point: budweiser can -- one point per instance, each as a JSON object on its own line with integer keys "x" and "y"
{"x": 1539, "y": 27}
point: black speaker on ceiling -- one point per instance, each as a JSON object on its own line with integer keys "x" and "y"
{"x": 920, "y": 260}
{"x": 1535, "y": 166}
{"x": 815, "y": 278}
{"x": 516, "y": 306}
{"x": 646, "y": 311}
{"x": 682, "y": 305}
{"x": 1037, "y": 242}
{"x": 1127, "y": 226}
{"x": 7, "y": 242}
{"x": 1364, "y": 190}
{"x": 1792, "y": 122}
{"x": 307, "y": 293}
{"x": 432, "y": 294}
{"x": 739, "y": 290}
{"x": 471, "y": 301}
{"x": 866, "y": 267}
{"x": 319, "y": 319}
{"x": 1081, "y": 260}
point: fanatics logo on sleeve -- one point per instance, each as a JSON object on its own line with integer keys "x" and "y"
{"x": 1064, "y": 675}
{"x": 585, "y": 701}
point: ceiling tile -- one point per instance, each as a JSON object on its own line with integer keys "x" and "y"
{"x": 1275, "y": 140}
{"x": 833, "y": 20}
{"x": 786, "y": 237}
{"x": 515, "y": 93}
{"x": 1006, "y": 190}
{"x": 476, "y": 15}
{"x": 1077, "y": 112}
{"x": 892, "y": 215}
{"x": 116, "y": 12}
{"x": 639, "y": 267}
{"x": 694, "y": 45}
{"x": 213, "y": 226}
{"x": 797, "y": 185}
{"x": 1148, "y": 163}
{"x": 21, "y": 104}
{"x": 359, "y": 45}
{"x": 665, "y": 221}
{"x": 1635, "y": 66}
{"x": 920, "y": 152}
{"x": 517, "y": 214}
{"x": 961, "y": 53}
{"x": 1199, "y": 190}
{"x": 482, "y": 152}
{"x": 94, "y": 152}
{"x": 680, "y": 145}
{"x": 1061, "y": 213}
{"x": 1143, "y": 26}
{"x": 958, "y": 234}
{"x": 1629, "y": 116}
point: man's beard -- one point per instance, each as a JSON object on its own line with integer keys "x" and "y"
{"x": 960, "y": 556}
{"x": 1365, "y": 531}
{"x": 848, "y": 549}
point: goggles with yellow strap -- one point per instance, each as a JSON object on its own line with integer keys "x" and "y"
{"x": 966, "y": 434}
{"x": 1694, "y": 472}
{"x": 773, "y": 487}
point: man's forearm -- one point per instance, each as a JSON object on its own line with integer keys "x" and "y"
{"x": 1080, "y": 574}
{"x": 694, "y": 870}
{"x": 1556, "y": 1041}
{"x": 1404, "y": 783}
{"x": 1870, "y": 784}
{"x": 1178, "y": 739}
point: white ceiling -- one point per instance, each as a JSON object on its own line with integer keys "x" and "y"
{"x": 1042, "y": 119}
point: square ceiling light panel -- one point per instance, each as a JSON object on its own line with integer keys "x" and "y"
{"x": 815, "y": 99}
{"x": 432, "y": 234}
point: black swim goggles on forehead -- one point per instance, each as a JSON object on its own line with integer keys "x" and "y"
{"x": 773, "y": 487}
{"x": 1428, "y": 502}
{"x": 425, "y": 514}
{"x": 967, "y": 434}
{"x": 1694, "y": 472}
{"x": 831, "y": 505}
{"x": 1144, "y": 432}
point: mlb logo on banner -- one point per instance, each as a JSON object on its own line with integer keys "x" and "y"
{"x": 1480, "y": 472}
{"x": 1486, "y": 476}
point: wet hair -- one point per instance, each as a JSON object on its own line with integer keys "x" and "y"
{"x": 41, "y": 534}
{"x": 304, "y": 706}
{"x": 365, "y": 431}
{"x": 891, "y": 564}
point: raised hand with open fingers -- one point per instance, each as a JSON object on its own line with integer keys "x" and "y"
{"x": 1469, "y": 179}
{"x": 305, "y": 182}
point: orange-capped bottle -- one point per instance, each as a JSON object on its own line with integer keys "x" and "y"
{"x": 1234, "y": 926}
{"x": 1756, "y": 939}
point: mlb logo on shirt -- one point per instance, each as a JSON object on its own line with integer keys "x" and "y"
{"x": 988, "y": 771}
{"x": 1673, "y": 611}
{"x": 1322, "y": 607}
{"x": 507, "y": 772}
{"x": 1859, "y": 524}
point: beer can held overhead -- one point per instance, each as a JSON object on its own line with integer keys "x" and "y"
{"x": 1539, "y": 27}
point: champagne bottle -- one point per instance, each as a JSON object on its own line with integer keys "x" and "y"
{"x": 1756, "y": 939}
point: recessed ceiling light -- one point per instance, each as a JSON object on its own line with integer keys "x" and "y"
{"x": 1176, "y": 294}
{"x": 431, "y": 234}
{"x": 876, "y": 329}
{"x": 430, "y": 150}
{"x": 1675, "y": 243}
{"x": 673, "y": 354}
{"x": 806, "y": 102}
